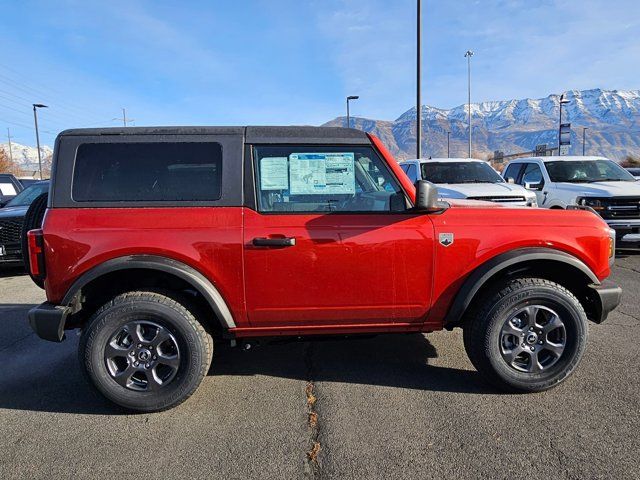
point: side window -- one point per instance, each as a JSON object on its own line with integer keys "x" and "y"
{"x": 304, "y": 179}
{"x": 147, "y": 172}
{"x": 532, "y": 174}
{"x": 413, "y": 172}
{"x": 512, "y": 171}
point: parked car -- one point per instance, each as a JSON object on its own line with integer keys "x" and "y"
{"x": 468, "y": 178}
{"x": 28, "y": 181}
{"x": 9, "y": 188}
{"x": 159, "y": 241}
{"x": 635, "y": 171}
{"x": 595, "y": 182}
{"x": 11, "y": 219}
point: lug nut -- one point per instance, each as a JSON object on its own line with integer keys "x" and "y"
{"x": 533, "y": 349}
{"x": 540, "y": 342}
{"x": 150, "y": 347}
{"x": 147, "y": 365}
{"x": 132, "y": 354}
{"x": 137, "y": 364}
{"x": 531, "y": 329}
{"x": 155, "y": 357}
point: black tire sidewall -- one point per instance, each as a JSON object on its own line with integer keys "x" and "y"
{"x": 32, "y": 220}
{"x": 575, "y": 323}
{"x": 108, "y": 321}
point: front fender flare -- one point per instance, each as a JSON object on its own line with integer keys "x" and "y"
{"x": 495, "y": 265}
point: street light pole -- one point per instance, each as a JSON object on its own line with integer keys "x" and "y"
{"x": 563, "y": 101}
{"x": 584, "y": 136}
{"x": 35, "y": 119}
{"x": 10, "y": 152}
{"x": 418, "y": 79}
{"x": 350, "y": 97}
{"x": 468, "y": 55}
{"x": 448, "y": 135}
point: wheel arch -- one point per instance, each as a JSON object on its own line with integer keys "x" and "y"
{"x": 120, "y": 274}
{"x": 560, "y": 267}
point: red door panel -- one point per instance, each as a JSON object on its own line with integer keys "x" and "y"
{"x": 343, "y": 269}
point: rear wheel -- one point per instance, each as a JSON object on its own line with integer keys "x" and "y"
{"x": 145, "y": 351}
{"x": 528, "y": 336}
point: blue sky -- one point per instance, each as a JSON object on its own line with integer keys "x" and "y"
{"x": 241, "y": 62}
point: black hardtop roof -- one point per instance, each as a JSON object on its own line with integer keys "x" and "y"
{"x": 252, "y": 134}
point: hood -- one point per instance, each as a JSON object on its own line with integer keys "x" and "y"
{"x": 462, "y": 203}
{"x": 602, "y": 189}
{"x": 464, "y": 190}
{"x": 11, "y": 212}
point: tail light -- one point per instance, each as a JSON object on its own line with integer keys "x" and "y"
{"x": 36, "y": 253}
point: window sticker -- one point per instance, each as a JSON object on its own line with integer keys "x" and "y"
{"x": 274, "y": 174}
{"x": 322, "y": 173}
{"x": 7, "y": 189}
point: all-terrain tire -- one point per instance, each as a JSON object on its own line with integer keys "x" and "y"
{"x": 32, "y": 220}
{"x": 176, "y": 319}
{"x": 483, "y": 334}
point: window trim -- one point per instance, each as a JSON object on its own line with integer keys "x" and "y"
{"x": 251, "y": 161}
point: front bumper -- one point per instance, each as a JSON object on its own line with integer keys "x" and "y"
{"x": 11, "y": 254}
{"x": 607, "y": 297}
{"x": 624, "y": 226}
{"x": 48, "y": 321}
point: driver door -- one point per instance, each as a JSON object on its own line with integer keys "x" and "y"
{"x": 331, "y": 241}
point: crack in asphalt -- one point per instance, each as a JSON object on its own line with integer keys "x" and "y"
{"x": 628, "y": 268}
{"x": 17, "y": 342}
{"x": 626, "y": 315}
{"x": 312, "y": 416}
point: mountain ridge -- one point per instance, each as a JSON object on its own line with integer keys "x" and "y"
{"x": 611, "y": 117}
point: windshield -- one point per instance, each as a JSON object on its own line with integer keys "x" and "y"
{"x": 586, "y": 171}
{"x": 28, "y": 195}
{"x": 460, "y": 172}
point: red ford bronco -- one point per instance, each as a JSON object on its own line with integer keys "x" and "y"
{"x": 156, "y": 241}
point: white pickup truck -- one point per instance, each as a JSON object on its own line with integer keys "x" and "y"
{"x": 468, "y": 178}
{"x": 595, "y": 182}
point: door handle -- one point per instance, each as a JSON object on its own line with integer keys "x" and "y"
{"x": 274, "y": 242}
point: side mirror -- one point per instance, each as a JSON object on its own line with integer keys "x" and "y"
{"x": 427, "y": 197}
{"x": 532, "y": 186}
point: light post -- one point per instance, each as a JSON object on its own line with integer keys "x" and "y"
{"x": 448, "y": 136}
{"x": 418, "y": 80}
{"x": 468, "y": 56}
{"x": 349, "y": 98}
{"x": 584, "y": 136}
{"x": 35, "y": 119}
{"x": 563, "y": 101}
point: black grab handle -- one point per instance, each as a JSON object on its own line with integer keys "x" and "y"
{"x": 274, "y": 242}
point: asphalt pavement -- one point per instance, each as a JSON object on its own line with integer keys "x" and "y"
{"x": 390, "y": 406}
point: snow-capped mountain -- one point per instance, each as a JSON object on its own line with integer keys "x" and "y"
{"x": 27, "y": 157}
{"x": 612, "y": 119}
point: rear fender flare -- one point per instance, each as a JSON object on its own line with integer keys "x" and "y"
{"x": 158, "y": 263}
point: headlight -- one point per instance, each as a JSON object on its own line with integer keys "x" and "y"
{"x": 594, "y": 203}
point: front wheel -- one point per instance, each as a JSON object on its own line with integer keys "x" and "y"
{"x": 145, "y": 351}
{"x": 528, "y": 336}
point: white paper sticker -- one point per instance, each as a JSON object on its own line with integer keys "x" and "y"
{"x": 274, "y": 174}
{"x": 7, "y": 189}
{"x": 322, "y": 173}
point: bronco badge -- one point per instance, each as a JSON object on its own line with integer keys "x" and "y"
{"x": 446, "y": 239}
